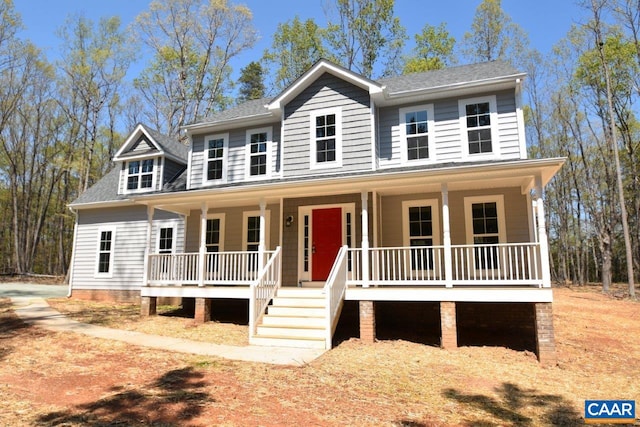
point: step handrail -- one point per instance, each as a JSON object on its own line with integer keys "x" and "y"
{"x": 263, "y": 289}
{"x": 334, "y": 290}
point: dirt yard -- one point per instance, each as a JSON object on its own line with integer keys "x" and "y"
{"x": 66, "y": 379}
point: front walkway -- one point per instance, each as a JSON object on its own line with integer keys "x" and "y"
{"x": 36, "y": 311}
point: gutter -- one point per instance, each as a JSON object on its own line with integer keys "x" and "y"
{"x": 466, "y": 85}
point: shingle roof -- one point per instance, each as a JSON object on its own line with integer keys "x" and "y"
{"x": 449, "y": 76}
{"x": 105, "y": 190}
{"x": 246, "y": 109}
{"x": 169, "y": 144}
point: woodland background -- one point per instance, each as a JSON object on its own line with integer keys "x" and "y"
{"x": 61, "y": 122}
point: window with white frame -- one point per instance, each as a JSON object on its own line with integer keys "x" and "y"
{"x": 326, "y": 138}
{"x": 485, "y": 229}
{"x": 416, "y": 124}
{"x": 479, "y": 124}
{"x": 214, "y": 233}
{"x": 251, "y": 235}
{"x": 139, "y": 174}
{"x": 106, "y": 246}
{"x": 258, "y": 152}
{"x": 421, "y": 231}
{"x": 216, "y": 147}
{"x": 166, "y": 237}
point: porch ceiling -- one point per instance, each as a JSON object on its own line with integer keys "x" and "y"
{"x": 521, "y": 174}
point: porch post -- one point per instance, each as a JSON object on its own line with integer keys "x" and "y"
{"x": 365, "y": 238}
{"x": 446, "y": 237}
{"x": 542, "y": 236}
{"x": 202, "y": 265}
{"x": 263, "y": 234}
{"x": 147, "y": 249}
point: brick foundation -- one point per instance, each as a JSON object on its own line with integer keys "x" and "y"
{"x": 545, "y": 340}
{"x": 448, "y": 327}
{"x": 367, "y": 321}
{"x": 106, "y": 295}
{"x": 148, "y": 306}
{"x": 202, "y": 310}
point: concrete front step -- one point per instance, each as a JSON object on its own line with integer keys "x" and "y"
{"x": 291, "y": 331}
{"x": 299, "y": 292}
{"x": 297, "y": 342}
{"x": 300, "y": 321}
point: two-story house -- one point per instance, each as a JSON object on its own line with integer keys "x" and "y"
{"x": 341, "y": 188}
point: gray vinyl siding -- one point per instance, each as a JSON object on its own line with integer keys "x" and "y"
{"x": 141, "y": 147}
{"x": 447, "y": 132}
{"x": 515, "y": 205}
{"x": 130, "y": 225}
{"x": 236, "y": 155}
{"x": 171, "y": 169}
{"x": 328, "y": 92}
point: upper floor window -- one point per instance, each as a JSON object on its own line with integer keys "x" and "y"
{"x": 216, "y": 147}
{"x": 140, "y": 174}
{"x": 106, "y": 239}
{"x": 326, "y": 138}
{"x": 416, "y": 124}
{"x": 479, "y": 124}
{"x": 258, "y": 152}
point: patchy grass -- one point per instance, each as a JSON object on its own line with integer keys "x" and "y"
{"x": 170, "y": 321}
{"x": 66, "y": 379}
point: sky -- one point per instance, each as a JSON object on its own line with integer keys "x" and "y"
{"x": 545, "y": 21}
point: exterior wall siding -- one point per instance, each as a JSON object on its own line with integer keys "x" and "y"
{"x": 171, "y": 169}
{"x": 516, "y": 215}
{"x": 129, "y": 246}
{"x": 328, "y": 92}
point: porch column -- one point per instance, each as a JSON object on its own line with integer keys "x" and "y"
{"x": 263, "y": 234}
{"x": 542, "y": 236}
{"x": 446, "y": 237}
{"x": 364, "y": 196}
{"x": 367, "y": 321}
{"x": 147, "y": 248}
{"x": 202, "y": 265}
{"x": 545, "y": 340}
{"x": 448, "y": 325}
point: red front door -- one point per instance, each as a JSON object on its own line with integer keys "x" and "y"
{"x": 327, "y": 238}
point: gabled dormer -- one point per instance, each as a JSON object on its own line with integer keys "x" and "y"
{"x": 147, "y": 160}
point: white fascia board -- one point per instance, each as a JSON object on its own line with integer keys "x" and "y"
{"x": 133, "y": 136}
{"x": 223, "y": 124}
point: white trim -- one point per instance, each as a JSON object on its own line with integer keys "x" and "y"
{"x": 337, "y": 111}
{"x": 374, "y": 133}
{"x": 205, "y": 158}
{"x": 133, "y": 137}
{"x": 498, "y": 199}
{"x": 435, "y": 219}
{"x": 269, "y": 153}
{"x": 221, "y": 217}
{"x": 430, "y": 133}
{"x": 159, "y": 225}
{"x": 245, "y": 223}
{"x": 109, "y": 274}
{"x": 154, "y": 175}
{"x": 308, "y": 210}
{"x": 190, "y": 162}
{"x": 464, "y": 136}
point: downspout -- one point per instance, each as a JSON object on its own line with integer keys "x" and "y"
{"x": 73, "y": 251}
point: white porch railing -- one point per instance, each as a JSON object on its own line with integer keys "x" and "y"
{"x": 263, "y": 289}
{"x": 510, "y": 264}
{"x": 220, "y": 268}
{"x": 334, "y": 290}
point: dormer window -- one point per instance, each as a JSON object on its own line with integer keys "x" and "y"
{"x": 416, "y": 133}
{"x": 326, "y": 138}
{"x": 139, "y": 174}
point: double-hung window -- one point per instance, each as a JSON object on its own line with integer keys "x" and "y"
{"x": 215, "y": 147}
{"x": 140, "y": 174}
{"x": 421, "y": 232}
{"x": 106, "y": 246}
{"x": 479, "y": 125}
{"x": 165, "y": 240}
{"x": 326, "y": 138}
{"x": 485, "y": 229}
{"x": 258, "y": 152}
{"x": 416, "y": 133}
{"x": 251, "y": 236}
